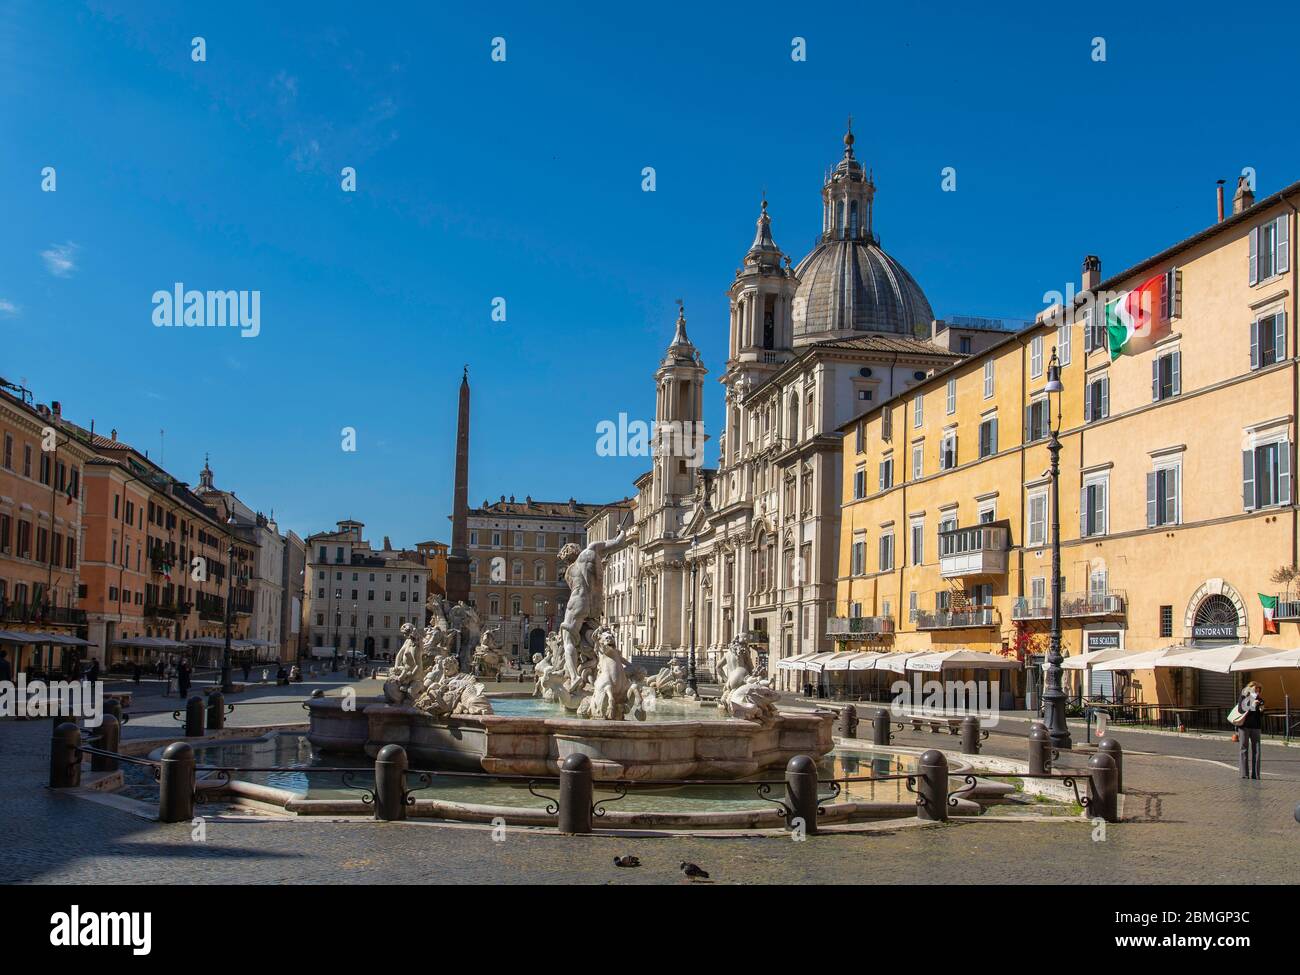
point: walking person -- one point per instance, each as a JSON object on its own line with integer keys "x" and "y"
{"x": 1251, "y": 705}
{"x": 183, "y": 677}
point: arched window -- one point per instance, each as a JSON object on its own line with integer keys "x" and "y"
{"x": 853, "y": 219}
{"x": 839, "y": 217}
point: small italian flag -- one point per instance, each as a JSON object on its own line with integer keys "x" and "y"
{"x": 1134, "y": 316}
{"x": 1270, "y": 608}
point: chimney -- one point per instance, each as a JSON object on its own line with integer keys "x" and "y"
{"x": 1091, "y": 272}
{"x": 57, "y": 407}
{"x": 114, "y": 434}
{"x": 1243, "y": 199}
{"x": 1220, "y": 195}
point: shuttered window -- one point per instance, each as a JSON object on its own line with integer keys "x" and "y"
{"x": 1268, "y": 340}
{"x": 1163, "y": 488}
{"x": 951, "y": 403}
{"x": 988, "y": 379}
{"x": 948, "y": 452}
{"x": 1269, "y": 249}
{"x": 1036, "y": 420}
{"x": 989, "y": 437}
{"x": 1166, "y": 376}
{"x": 1037, "y": 519}
{"x": 1266, "y": 475}
{"x": 886, "y": 473}
{"x": 1096, "y": 400}
{"x": 1092, "y": 509}
{"x": 886, "y": 552}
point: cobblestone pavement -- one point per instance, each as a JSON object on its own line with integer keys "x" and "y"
{"x": 1188, "y": 818}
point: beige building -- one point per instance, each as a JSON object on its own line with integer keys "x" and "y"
{"x": 622, "y": 609}
{"x": 516, "y": 579}
{"x": 359, "y": 598}
{"x": 1177, "y": 508}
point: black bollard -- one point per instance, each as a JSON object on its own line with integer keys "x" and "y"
{"x": 216, "y": 711}
{"x": 110, "y": 735}
{"x": 880, "y": 734}
{"x": 1040, "y": 750}
{"x": 970, "y": 735}
{"x": 1111, "y": 747}
{"x": 1103, "y": 797}
{"x": 114, "y": 707}
{"x": 390, "y": 783}
{"x": 575, "y": 794}
{"x": 846, "y": 722}
{"x": 176, "y": 783}
{"x": 65, "y": 757}
{"x": 801, "y": 793}
{"x": 932, "y": 786}
{"x": 194, "y": 717}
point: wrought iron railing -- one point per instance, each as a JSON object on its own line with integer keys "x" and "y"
{"x": 850, "y": 625}
{"x": 981, "y": 616}
{"x": 1074, "y": 605}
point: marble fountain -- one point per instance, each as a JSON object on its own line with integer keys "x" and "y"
{"x": 588, "y": 700}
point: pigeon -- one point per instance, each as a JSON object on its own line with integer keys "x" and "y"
{"x": 693, "y": 872}
{"x": 627, "y": 861}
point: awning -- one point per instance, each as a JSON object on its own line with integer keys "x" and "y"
{"x": 57, "y": 639}
{"x": 149, "y": 643}
{"x": 218, "y": 642}
{"x": 842, "y": 661}
{"x": 1083, "y": 661}
{"x": 1220, "y": 660}
{"x": 1277, "y": 660}
{"x": 962, "y": 660}
{"x": 817, "y": 662}
{"x": 866, "y": 660}
{"x": 1132, "y": 661}
{"x": 895, "y": 662}
{"x": 792, "y": 663}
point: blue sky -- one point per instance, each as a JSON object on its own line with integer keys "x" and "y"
{"x": 479, "y": 179}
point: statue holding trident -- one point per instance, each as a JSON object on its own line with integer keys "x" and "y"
{"x": 586, "y": 600}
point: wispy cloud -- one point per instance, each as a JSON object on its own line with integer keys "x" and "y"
{"x": 60, "y": 259}
{"x": 7, "y": 308}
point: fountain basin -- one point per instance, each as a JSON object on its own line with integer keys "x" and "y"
{"x": 503, "y": 744}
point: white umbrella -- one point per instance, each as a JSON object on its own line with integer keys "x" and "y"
{"x": 795, "y": 662}
{"x": 962, "y": 660}
{"x": 1082, "y": 661}
{"x": 816, "y": 662}
{"x": 866, "y": 660}
{"x": 1219, "y": 660}
{"x": 842, "y": 661}
{"x": 1277, "y": 660}
{"x": 1132, "y": 661}
{"x": 897, "y": 662}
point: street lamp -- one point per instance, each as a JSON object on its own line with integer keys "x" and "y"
{"x": 227, "y": 685}
{"x": 1054, "y": 695}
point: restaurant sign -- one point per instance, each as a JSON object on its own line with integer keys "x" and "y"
{"x": 1103, "y": 641}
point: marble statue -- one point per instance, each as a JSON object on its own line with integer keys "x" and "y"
{"x": 753, "y": 700}
{"x": 584, "y": 577}
{"x": 427, "y": 676}
{"x": 405, "y": 670}
{"x": 609, "y": 694}
{"x": 448, "y": 692}
{"x": 489, "y": 657}
{"x": 744, "y": 694}
{"x": 670, "y": 681}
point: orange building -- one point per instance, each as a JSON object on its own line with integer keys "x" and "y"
{"x": 42, "y": 483}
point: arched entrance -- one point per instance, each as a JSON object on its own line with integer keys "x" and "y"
{"x": 1216, "y": 614}
{"x": 536, "y": 641}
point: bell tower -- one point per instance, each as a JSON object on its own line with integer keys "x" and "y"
{"x": 679, "y": 417}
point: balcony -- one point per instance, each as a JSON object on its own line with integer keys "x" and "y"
{"x": 979, "y": 617}
{"x": 1075, "y": 605}
{"x": 11, "y": 612}
{"x": 980, "y": 550}
{"x": 865, "y": 626}
{"x": 1287, "y": 609}
{"x": 168, "y": 610}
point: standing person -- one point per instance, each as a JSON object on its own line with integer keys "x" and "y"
{"x": 92, "y": 672}
{"x": 1252, "y": 705}
{"x": 6, "y": 671}
{"x": 183, "y": 677}
{"x": 135, "y": 674}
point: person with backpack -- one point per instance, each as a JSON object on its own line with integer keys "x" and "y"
{"x": 1249, "y": 719}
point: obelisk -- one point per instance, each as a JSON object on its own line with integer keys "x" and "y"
{"x": 458, "y": 557}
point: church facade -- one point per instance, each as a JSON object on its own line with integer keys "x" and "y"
{"x": 752, "y": 544}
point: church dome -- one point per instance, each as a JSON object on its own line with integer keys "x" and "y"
{"x": 848, "y": 283}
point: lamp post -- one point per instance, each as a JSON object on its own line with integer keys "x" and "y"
{"x": 353, "y": 645}
{"x": 1054, "y": 695}
{"x": 227, "y": 685}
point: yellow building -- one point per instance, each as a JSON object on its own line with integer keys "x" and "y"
{"x": 1177, "y": 509}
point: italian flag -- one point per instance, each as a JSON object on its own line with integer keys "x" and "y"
{"x": 1270, "y": 607}
{"x": 1134, "y": 316}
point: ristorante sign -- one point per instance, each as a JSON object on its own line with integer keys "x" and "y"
{"x": 1214, "y": 631}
